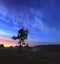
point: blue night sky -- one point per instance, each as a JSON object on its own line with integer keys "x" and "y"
{"x": 40, "y": 17}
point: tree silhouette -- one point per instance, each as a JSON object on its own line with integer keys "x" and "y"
{"x": 1, "y": 45}
{"x": 22, "y": 35}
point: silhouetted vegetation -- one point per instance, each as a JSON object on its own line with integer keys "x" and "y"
{"x": 22, "y": 35}
{"x": 11, "y": 46}
{"x": 1, "y": 45}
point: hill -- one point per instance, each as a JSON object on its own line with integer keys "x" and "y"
{"x": 52, "y": 48}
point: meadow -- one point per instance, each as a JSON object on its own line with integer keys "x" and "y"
{"x": 11, "y": 56}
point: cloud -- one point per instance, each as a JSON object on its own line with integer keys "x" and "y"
{"x": 30, "y": 19}
{"x": 39, "y": 17}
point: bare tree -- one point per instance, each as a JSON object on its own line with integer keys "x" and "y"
{"x": 22, "y": 35}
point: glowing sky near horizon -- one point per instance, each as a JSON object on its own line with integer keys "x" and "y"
{"x": 40, "y": 17}
{"x": 7, "y": 41}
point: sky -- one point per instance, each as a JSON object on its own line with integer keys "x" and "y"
{"x": 40, "y": 17}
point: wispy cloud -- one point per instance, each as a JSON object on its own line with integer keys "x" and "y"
{"x": 39, "y": 17}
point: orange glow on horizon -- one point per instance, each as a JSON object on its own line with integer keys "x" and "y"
{"x": 7, "y": 41}
{"x": 8, "y": 45}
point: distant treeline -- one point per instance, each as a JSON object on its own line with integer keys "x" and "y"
{"x": 39, "y": 48}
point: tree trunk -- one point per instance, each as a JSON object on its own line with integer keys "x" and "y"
{"x": 20, "y": 49}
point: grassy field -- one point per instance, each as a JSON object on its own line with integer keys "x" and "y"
{"x": 11, "y": 56}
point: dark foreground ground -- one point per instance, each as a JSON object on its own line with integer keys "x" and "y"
{"x": 11, "y": 56}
